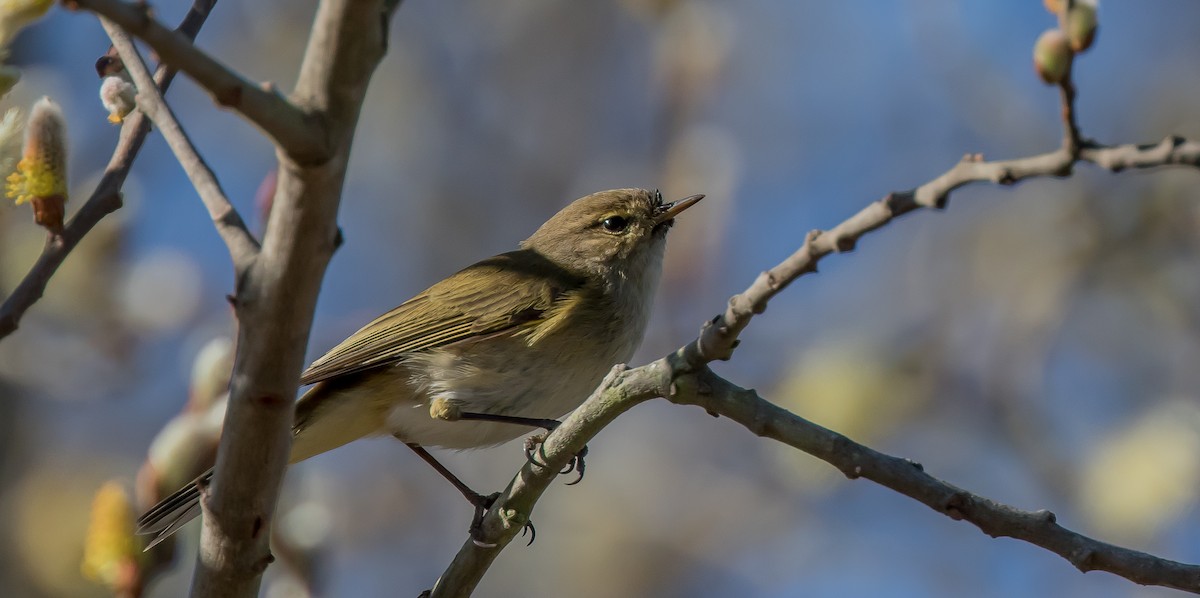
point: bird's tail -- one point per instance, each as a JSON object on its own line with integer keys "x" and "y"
{"x": 173, "y": 511}
{"x": 326, "y": 417}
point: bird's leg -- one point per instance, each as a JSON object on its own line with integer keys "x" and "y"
{"x": 480, "y": 502}
{"x": 533, "y": 442}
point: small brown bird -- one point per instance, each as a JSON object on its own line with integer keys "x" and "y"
{"x": 513, "y": 341}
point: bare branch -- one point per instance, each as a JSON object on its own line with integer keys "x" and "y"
{"x": 995, "y": 519}
{"x": 242, "y": 245}
{"x": 626, "y": 388}
{"x": 301, "y": 135}
{"x": 719, "y": 338}
{"x": 684, "y": 378}
{"x": 105, "y": 198}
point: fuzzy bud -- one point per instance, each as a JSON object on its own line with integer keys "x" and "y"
{"x": 1052, "y": 56}
{"x": 117, "y": 96}
{"x": 1081, "y": 24}
{"x": 41, "y": 175}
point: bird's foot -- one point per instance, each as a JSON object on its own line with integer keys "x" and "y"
{"x": 534, "y": 452}
{"x": 482, "y": 505}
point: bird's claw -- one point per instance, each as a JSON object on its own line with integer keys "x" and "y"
{"x": 482, "y": 504}
{"x": 532, "y": 532}
{"x": 535, "y": 455}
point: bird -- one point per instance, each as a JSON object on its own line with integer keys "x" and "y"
{"x": 513, "y": 341}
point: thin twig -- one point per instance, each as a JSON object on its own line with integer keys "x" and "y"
{"x": 299, "y": 134}
{"x": 684, "y": 377}
{"x": 719, "y": 337}
{"x": 105, "y": 198}
{"x": 242, "y": 245}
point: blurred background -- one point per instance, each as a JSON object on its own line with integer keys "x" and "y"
{"x": 1036, "y": 344}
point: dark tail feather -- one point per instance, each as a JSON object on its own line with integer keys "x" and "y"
{"x": 172, "y": 512}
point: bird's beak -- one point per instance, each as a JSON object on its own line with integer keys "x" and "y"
{"x": 671, "y": 210}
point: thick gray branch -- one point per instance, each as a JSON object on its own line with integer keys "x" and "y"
{"x": 242, "y": 246}
{"x": 275, "y": 302}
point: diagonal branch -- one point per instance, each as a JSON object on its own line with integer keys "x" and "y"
{"x": 718, "y": 339}
{"x": 242, "y": 245}
{"x": 301, "y": 135}
{"x": 995, "y": 519}
{"x": 624, "y": 389}
{"x": 684, "y": 378}
{"x": 105, "y": 198}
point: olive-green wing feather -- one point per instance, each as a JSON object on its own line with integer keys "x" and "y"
{"x": 508, "y": 292}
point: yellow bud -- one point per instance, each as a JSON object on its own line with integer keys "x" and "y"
{"x": 110, "y": 555}
{"x": 1052, "y": 56}
{"x": 16, "y": 14}
{"x": 1081, "y": 24}
{"x": 41, "y": 175}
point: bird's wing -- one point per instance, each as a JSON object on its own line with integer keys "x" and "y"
{"x": 512, "y": 291}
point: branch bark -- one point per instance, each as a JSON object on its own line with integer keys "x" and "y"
{"x": 243, "y": 247}
{"x": 684, "y": 377}
{"x": 105, "y": 198}
{"x": 274, "y": 302}
{"x": 302, "y": 135}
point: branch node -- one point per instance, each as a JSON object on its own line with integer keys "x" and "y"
{"x": 262, "y": 564}
{"x": 956, "y": 505}
{"x": 338, "y": 239}
{"x": 270, "y": 401}
{"x": 1084, "y": 559}
{"x": 1046, "y": 516}
{"x": 229, "y": 97}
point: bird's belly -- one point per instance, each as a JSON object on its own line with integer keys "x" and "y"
{"x": 494, "y": 383}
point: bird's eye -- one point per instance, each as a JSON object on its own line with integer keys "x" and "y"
{"x": 615, "y": 224}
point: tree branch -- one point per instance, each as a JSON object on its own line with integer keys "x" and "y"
{"x": 718, "y": 339}
{"x": 105, "y": 198}
{"x": 683, "y": 377}
{"x": 242, "y": 246}
{"x": 301, "y": 135}
{"x": 995, "y": 519}
{"x": 275, "y": 300}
